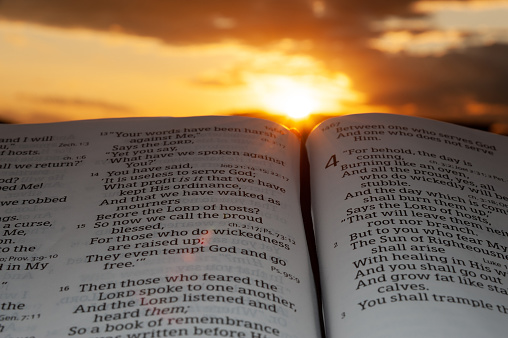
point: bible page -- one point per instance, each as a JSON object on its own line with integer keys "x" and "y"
{"x": 411, "y": 227}
{"x": 156, "y": 227}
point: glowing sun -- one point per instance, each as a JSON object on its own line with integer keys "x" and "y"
{"x": 292, "y": 98}
{"x": 301, "y": 95}
{"x": 287, "y": 95}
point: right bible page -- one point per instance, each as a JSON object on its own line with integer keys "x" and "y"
{"x": 411, "y": 222}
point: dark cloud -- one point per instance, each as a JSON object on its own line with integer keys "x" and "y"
{"x": 432, "y": 83}
{"x": 78, "y": 102}
{"x": 339, "y": 31}
{"x": 21, "y": 115}
{"x": 199, "y": 21}
{"x": 175, "y": 22}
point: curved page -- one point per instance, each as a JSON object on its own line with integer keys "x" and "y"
{"x": 155, "y": 227}
{"x": 410, "y": 219}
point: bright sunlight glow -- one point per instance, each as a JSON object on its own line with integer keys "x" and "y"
{"x": 300, "y": 96}
{"x": 287, "y": 96}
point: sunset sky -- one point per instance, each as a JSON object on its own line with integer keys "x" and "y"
{"x": 65, "y": 60}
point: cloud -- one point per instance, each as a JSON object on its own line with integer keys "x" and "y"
{"x": 203, "y": 21}
{"x": 23, "y": 115}
{"x": 221, "y": 78}
{"x": 340, "y": 34}
{"x": 480, "y": 73}
{"x": 79, "y": 103}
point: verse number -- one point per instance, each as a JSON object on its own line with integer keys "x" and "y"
{"x": 332, "y": 161}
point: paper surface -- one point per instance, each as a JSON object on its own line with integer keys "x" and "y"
{"x": 410, "y": 219}
{"x": 153, "y": 228}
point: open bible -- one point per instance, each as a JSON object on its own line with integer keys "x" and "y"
{"x": 164, "y": 227}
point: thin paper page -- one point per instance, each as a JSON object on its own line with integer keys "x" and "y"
{"x": 153, "y": 228}
{"x": 410, "y": 219}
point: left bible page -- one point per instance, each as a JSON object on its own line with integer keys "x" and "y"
{"x": 154, "y": 227}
